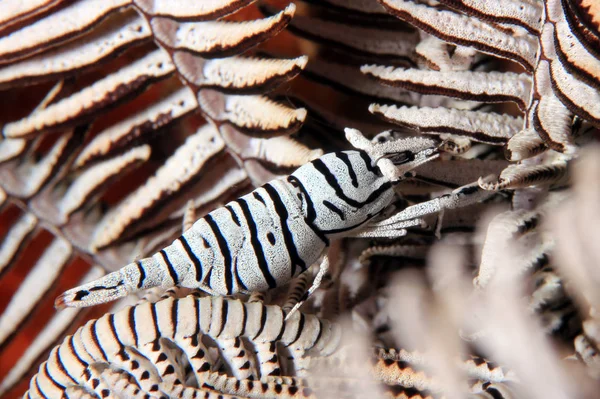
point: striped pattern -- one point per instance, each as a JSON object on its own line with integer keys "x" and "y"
{"x": 167, "y": 349}
{"x": 262, "y": 239}
{"x": 139, "y": 339}
{"x": 342, "y": 183}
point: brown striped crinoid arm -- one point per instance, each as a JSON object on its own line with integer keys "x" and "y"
{"x": 577, "y": 94}
{"x": 406, "y": 251}
{"x": 452, "y": 59}
{"x": 526, "y": 14}
{"x": 550, "y": 118}
{"x": 403, "y": 373}
{"x": 582, "y": 17}
{"x": 350, "y": 34}
{"x": 56, "y": 28}
{"x": 15, "y": 13}
{"x": 523, "y": 145}
{"x": 25, "y": 307}
{"x": 574, "y": 50}
{"x": 486, "y": 87}
{"x": 83, "y": 105}
{"x": 135, "y": 128}
{"x": 16, "y": 237}
{"x": 518, "y": 176}
{"x": 93, "y": 180}
{"x": 461, "y": 29}
{"x": 148, "y": 340}
{"x": 218, "y": 83}
{"x": 90, "y": 50}
{"x": 256, "y": 116}
{"x": 223, "y": 73}
{"x": 484, "y": 127}
{"x": 217, "y": 39}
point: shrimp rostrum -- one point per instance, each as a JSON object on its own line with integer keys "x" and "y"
{"x": 267, "y": 237}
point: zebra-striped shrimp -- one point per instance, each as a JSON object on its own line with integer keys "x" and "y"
{"x": 274, "y": 233}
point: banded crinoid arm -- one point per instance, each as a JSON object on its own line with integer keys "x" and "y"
{"x": 102, "y": 89}
{"x": 384, "y": 372}
{"x": 149, "y": 341}
{"x": 466, "y": 30}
